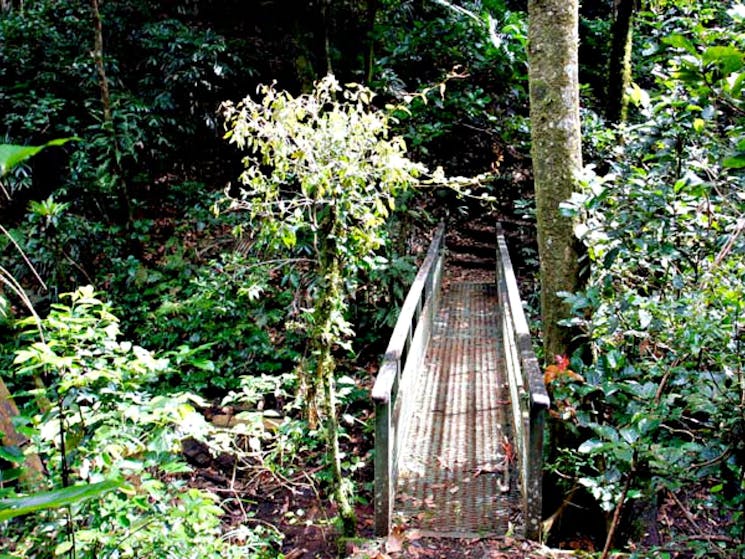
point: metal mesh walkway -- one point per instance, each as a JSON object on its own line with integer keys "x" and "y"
{"x": 454, "y": 476}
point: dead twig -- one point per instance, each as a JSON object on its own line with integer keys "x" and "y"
{"x": 692, "y": 521}
{"x": 709, "y": 538}
{"x": 617, "y": 515}
{"x": 723, "y": 456}
{"x": 688, "y": 515}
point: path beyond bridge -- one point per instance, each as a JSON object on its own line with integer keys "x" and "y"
{"x": 459, "y": 408}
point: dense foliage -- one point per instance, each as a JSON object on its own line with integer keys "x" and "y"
{"x": 661, "y": 407}
{"x": 335, "y": 174}
{"x": 104, "y": 423}
{"x": 241, "y": 310}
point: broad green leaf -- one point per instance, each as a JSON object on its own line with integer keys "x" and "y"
{"x": 11, "y": 474}
{"x": 729, "y": 59}
{"x": 638, "y": 96}
{"x": 615, "y": 359}
{"x": 12, "y": 154}
{"x": 679, "y": 41}
{"x": 588, "y": 447}
{"x": 735, "y": 82}
{"x": 5, "y": 309}
{"x": 736, "y": 161}
{"x": 11, "y": 454}
{"x": 18, "y": 506}
{"x": 629, "y": 434}
{"x": 605, "y": 431}
{"x": 63, "y": 547}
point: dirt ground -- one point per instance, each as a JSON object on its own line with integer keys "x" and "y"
{"x": 413, "y": 544}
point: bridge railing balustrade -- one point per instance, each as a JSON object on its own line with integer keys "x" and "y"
{"x": 527, "y": 390}
{"x": 393, "y": 390}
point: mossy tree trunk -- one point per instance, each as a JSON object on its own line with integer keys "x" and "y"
{"x": 557, "y": 156}
{"x": 372, "y": 12}
{"x": 324, "y": 339}
{"x": 325, "y": 379}
{"x": 619, "y": 64}
{"x": 108, "y": 118}
{"x": 9, "y": 436}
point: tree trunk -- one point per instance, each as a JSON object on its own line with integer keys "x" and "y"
{"x": 324, "y": 339}
{"x": 98, "y": 59}
{"x": 9, "y": 5}
{"x": 9, "y": 436}
{"x": 557, "y": 156}
{"x": 320, "y": 386}
{"x": 325, "y": 8}
{"x": 108, "y": 119}
{"x": 619, "y": 66}
{"x": 372, "y": 12}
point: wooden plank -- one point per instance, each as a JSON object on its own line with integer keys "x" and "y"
{"x": 534, "y": 444}
{"x": 411, "y": 302}
{"x": 405, "y": 393}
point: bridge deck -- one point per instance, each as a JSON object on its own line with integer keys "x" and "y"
{"x": 454, "y": 475}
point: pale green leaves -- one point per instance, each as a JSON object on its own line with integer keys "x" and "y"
{"x": 317, "y": 156}
{"x": 737, "y": 12}
{"x": 83, "y": 349}
{"x": 737, "y": 159}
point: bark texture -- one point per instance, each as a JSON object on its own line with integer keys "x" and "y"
{"x": 98, "y": 59}
{"x": 9, "y": 436}
{"x": 125, "y": 200}
{"x": 619, "y": 65}
{"x": 557, "y": 155}
{"x": 9, "y": 5}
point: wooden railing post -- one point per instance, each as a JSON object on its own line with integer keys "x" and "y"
{"x": 538, "y": 404}
{"x": 383, "y": 465}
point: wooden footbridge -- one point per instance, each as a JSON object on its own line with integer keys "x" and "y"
{"x": 459, "y": 404}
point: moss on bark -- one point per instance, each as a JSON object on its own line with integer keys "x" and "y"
{"x": 557, "y": 155}
{"x": 619, "y": 65}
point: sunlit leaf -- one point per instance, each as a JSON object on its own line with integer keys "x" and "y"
{"x": 734, "y": 161}
{"x": 729, "y": 59}
{"x": 679, "y": 41}
{"x": 590, "y": 446}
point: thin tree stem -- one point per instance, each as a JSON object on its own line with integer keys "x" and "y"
{"x": 617, "y": 516}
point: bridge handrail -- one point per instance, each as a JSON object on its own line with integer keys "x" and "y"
{"x": 395, "y": 378}
{"x": 527, "y": 389}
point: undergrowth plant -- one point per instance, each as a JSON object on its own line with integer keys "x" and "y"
{"x": 321, "y": 179}
{"x": 105, "y": 425}
{"x": 481, "y": 47}
{"x": 660, "y": 410}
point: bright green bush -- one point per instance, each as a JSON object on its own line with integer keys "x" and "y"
{"x": 105, "y": 424}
